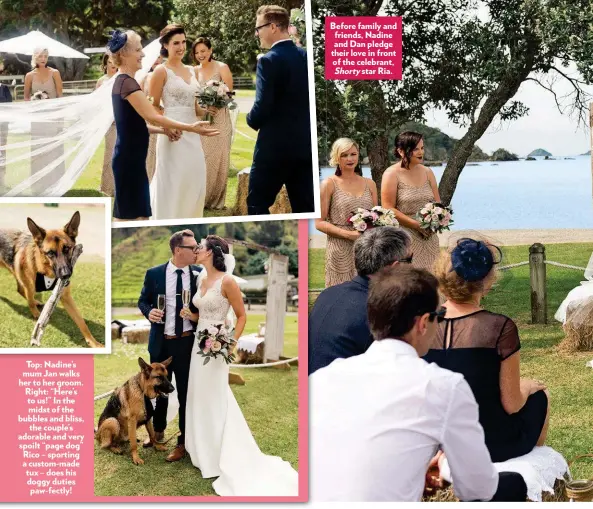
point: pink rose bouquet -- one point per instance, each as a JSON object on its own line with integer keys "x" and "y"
{"x": 364, "y": 219}
{"x": 215, "y": 341}
{"x": 435, "y": 217}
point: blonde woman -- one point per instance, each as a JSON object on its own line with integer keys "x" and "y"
{"x": 485, "y": 348}
{"x": 341, "y": 195}
{"x": 43, "y": 82}
{"x": 132, "y": 110}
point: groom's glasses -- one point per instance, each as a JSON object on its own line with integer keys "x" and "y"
{"x": 257, "y": 29}
{"x": 439, "y": 314}
{"x": 195, "y": 249}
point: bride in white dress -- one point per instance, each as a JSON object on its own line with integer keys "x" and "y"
{"x": 578, "y": 295}
{"x": 178, "y": 188}
{"x": 217, "y": 436}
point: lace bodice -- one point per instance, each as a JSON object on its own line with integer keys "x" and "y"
{"x": 177, "y": 93}
{"x": 213, "y": 306}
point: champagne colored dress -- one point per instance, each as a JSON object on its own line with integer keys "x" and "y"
{"x": 217, "y": 150}
{"x": 410, "y": 199}
{"x": 339, "y": 253}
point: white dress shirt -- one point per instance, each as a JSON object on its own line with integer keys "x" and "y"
{"x": 171, "y": 301}
{"x": 377, "y": 419}
{"x": 278, "y": 42}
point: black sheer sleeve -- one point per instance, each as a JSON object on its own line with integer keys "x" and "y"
{"x": 508, "y": 342}
{"x": 125, "y": 85}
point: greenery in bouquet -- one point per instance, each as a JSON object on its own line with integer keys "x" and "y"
{"x": 435, "y": 217}
{"x": 217, "y": 94}
{"x": 216, "y": 341}
{"x": 364, "y": 219}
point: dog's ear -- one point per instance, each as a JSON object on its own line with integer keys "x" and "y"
{"x": 71, "y": 229}
{"x": 38, "y": 232}
{"x": 147, "y": 368}
{"x": 167, "y": 362}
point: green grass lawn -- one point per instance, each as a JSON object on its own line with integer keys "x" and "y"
{"x": 269, "y": 401}
{"x": 62, "y": 332}
{"x": 567, "y": 378}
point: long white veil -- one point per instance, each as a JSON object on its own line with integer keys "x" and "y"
{"x": 45, "y": 145}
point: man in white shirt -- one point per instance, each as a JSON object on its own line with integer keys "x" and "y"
{"x": 171, "y": 335}
{"x": 377, "y": 419}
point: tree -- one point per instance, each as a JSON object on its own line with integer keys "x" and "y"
{"x": 229, "y": 26}
{"x": 455, "y": 60}
{"x": 82, "y": 23}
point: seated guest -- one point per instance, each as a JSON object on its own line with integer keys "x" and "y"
{"x": 338, "y": 326}
{"x": 378, "y": 418}
{"x": 484, "y": 348}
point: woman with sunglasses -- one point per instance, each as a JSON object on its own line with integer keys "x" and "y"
{"x": 484, "y": 347}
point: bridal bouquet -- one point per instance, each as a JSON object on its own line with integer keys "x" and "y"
{"x": 217, "y": 94}
{"x": 39, "y": 95}
{"x": 364, "y": 219}
{"x": 214, "y": 341}
{"x": 435, "y": 217}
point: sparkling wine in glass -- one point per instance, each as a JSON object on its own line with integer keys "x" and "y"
{"x": 160, "y": 304}
{"x": 185, "y": 296}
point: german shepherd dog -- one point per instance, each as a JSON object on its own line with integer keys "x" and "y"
{"x": 31, "y": 256}
{"x": 129, "y": 407}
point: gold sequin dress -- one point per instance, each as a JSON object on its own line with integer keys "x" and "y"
{"x": 339, "y": 253}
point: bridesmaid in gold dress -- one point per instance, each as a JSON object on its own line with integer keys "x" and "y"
{"x": 406, "y": 187}
{"x": 107, "y": 183}
{"x": 341, "y": 195}
{"x": 217, "y": 149}
{"x": 49, "y": 81}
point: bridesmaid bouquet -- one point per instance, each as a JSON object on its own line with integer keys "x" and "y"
{"x": 216, "y": 341}
{"x": 39, "y": 95}
{"x": 364, "y": 219}
{"x": 217, "y": 94}
{"x": 435, "y": 217}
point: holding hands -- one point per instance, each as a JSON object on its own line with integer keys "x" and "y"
{"x": 203, "y": 128}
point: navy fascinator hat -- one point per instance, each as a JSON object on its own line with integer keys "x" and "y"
{"x": 473, "y": 260}
{"x": 117, "y": 41}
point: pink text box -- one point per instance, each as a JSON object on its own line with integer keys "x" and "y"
{"x": 363, "y": 48}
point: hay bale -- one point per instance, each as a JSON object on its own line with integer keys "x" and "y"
{"x": 115, "y": 331}
{"x": 135, "y": 335}
{"x": 281, "y": 205}
{"x": 578, "y": 327}
{"x": 448, "y": 495}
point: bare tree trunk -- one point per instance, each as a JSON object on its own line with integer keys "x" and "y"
{"x": 378, "y": 153}
{"x": 506, "y": 89}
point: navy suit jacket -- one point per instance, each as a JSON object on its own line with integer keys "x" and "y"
{"x": 338, "y": 323}
{"x": 155, "y": 283}
{"x": 281, "y": 109}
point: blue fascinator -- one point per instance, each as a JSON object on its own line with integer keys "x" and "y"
{"x": 117, "y": 41}
{"x": 472, "y": 260}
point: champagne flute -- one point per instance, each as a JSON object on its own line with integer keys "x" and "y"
{"x": 185, "y": 297}
{"x": 160, "y": 304}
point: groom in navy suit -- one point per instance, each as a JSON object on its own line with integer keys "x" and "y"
{"x": 281, "y": 115}
{"x": 171, "y": 335}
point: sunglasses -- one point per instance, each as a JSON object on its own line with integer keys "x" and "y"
{"x": 439, "y": 314}
{"x": 257, "y": 29}
{"x": 407, "y": 259}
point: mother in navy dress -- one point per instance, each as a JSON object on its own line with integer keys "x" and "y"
{"x": 132, "y": 110}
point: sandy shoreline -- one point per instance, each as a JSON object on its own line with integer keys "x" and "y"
{"x": 505, "y": 237}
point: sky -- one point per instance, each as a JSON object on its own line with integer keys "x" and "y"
{"x": 543, "y": 127}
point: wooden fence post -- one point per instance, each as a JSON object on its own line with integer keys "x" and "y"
{"x": 537, "y": 277}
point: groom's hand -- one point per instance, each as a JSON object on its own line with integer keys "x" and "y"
{"x": 156, "y": 315}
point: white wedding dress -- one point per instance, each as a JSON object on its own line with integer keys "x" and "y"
{"x": 217, "y": 436}
{"x": 178, "y": 188}
{"x": 578, "y": 296}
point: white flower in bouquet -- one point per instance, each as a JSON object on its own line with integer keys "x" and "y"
{"x": 216, "y": 346}
{"x": 362, "y": 226}
{"x": 213, "y": 331}
{"x": 438, "y": 210}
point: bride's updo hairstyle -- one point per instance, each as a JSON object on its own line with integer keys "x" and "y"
{"x": 468, "y": 269}
{"x": 167, "y": 33}
{"x": 219, "y": 248}
{"x": 407, "y": 143}
{"x": 119, "y": 45}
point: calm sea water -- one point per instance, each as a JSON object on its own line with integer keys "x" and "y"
{"x": 519, "y": 194}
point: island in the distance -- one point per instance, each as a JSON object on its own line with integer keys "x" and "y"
{"x": 539, "y": 152}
